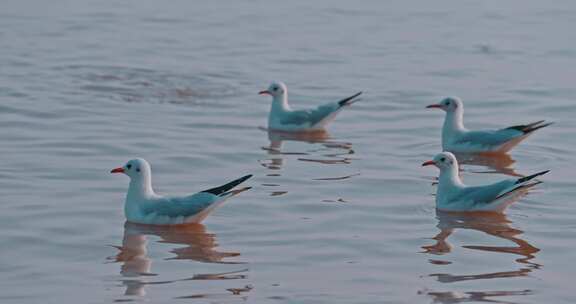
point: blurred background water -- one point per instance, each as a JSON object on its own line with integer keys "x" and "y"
{"x": 87, "y": 85}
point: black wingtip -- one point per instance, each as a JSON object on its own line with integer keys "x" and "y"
{"x": 520, "y": 187}
{"x": 245, "y": 177}
{"x": 235, "y": 192}
{"x": 349, "y": 100}
{"x": 531, "y": 127}
{"x": 539, "y": 127}
{"x": 529, "y": 177}
{"x": 242, "y": 179}
{"x": 225, "y": 188}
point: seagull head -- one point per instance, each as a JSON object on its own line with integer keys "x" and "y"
{"x": 443, "y": 161}
{"x": 136, "y": 169}
{"x": 276, "y": 89}
{"x": 448, "y": 104}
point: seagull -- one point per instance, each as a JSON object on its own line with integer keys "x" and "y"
{"x": 457, "y": 139}
{"x": 144, "y": 206}
{"x": 283, "y": 118}
{"x": 453, "y": 195}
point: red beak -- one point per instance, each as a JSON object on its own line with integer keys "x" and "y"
{"x": 428, "y": 163}
{"x": 117, "y": 170}
{"x": 434, "y": 106}
{"x": 265, "y": 92}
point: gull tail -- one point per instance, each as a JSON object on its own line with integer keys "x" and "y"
{"x": 518, "y": 188}
{"x": 225, "y": 189}
{"x": 349, "y": 100}
{"x": 524, "y": 184}
{"x": 529, "y": 128}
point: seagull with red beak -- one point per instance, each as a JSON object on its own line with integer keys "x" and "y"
{"x": 457, "y": 139}
{"x": 453, "y": 195}
{"x": 144, "y": 206}
{"x": 283, "y": 118}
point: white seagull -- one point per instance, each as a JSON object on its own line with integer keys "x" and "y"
{"x": 453, "y": 195}
{"x": 144, "y": 206}
{"x": 457, "y": 139}
{"x": 283, "y": 118}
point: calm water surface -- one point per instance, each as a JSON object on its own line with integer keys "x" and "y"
{"x": 344, "y": 218}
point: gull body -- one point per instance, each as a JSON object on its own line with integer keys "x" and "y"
{"x": 144, "y": 206}
{"x": 457, "y": 139}
{"x": 283, "y": 118}
{"x": 453, "y": 195}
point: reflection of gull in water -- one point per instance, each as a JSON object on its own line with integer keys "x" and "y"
{"x": 497, "y": 162}
{"x": 324, "y": 151}
{"x": 474, "y": 296}
{"x": 199, "y": 246}
{"x": 494, "y": 224}
{"x": 277, "y": 138}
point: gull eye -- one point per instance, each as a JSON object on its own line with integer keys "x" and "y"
{"x": 442, "y": 159}
{"x": 275, "y": 89}
{"x": 128, "y": 166}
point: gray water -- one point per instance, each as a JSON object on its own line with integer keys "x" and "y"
{"x": 87, "y": 85}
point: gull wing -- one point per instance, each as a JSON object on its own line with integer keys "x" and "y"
{"x": 483, "y": 195}
{"x": 489, "y": 138}
{"x": 531, "y": 127}
{"x": 525, "y": 183}
{"x": 309, "y": 117}
{"x": 312, "y": 117}
{"x": 501, "y": 136}
{"x": 182, "y": 206}
{"x": 224, "y": 189}
{"x": 193, "y": 204}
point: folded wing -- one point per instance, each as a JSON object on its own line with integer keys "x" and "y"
{"x": 484, "y": 195}
{"x": 489, "y": 138}
{"x": 193, "y": 204}
{"x": 309, "y": 117}
{"x": 531, "y": 127}
{"x": 182, "y": 206}
{"x": 315, "y": 116}
{"x": 499, "y": 137}
{"x": 222, "y": 190}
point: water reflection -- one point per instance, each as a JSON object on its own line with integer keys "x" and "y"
{"x": 276, "y": 138}
{"x": 198, "y": 246}
{"x": 497, "y": 162}
{"x": 493, "y": 224}
{"x": 276, "y": 153}
{"x": 475, "y": 296}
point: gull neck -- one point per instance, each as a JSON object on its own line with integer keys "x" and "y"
{"x": 450, "y": 177}
{"x": 280, "y": 103}
{"x": 454, "y": 120}
{"x": 141, "y": 188}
